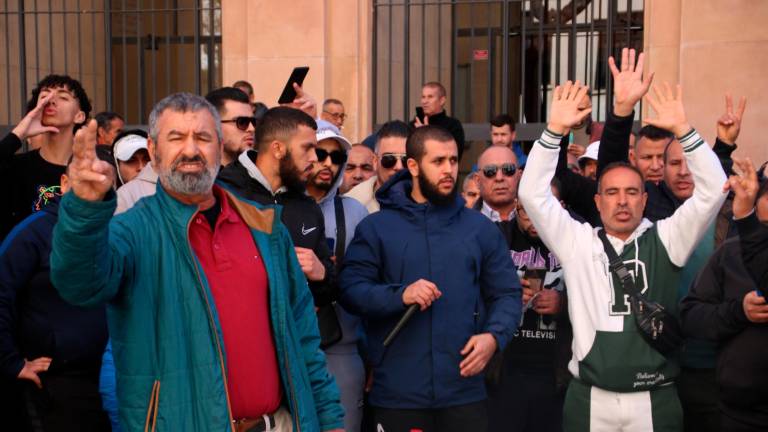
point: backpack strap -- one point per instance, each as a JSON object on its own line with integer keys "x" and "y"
{"x": 617, "y": 266}
{"x": 341, "y": 229}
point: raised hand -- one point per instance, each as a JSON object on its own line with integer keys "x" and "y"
{"x": 744, "y": 187}
{"x": 729, "y": 124}
{"x": 304, "y": 101}
{"x": 89, "y": 178}
{"x": 564, "y": 112}
{"x": 628, "y": 83}
{"x": 669, "y": 110}
{"x": 31, "y": 125}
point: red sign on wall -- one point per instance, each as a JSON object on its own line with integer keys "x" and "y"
{"x": 480, "y": 54}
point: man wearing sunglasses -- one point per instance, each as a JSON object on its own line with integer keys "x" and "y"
{"x": 342, "y": 214}
{"x": 237, "y": 121}
{"x": 498, "y": 179}
{"x": 333, "y": 112}
{"x": 390, "y": 154}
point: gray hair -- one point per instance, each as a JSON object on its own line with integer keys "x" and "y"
{"x": 182, "y": 102}
{"x": 469, "y": 178}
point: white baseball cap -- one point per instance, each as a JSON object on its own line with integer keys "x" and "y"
{"x": 592, "y": 151}
{"x": 326, "y": 130}
{"x": 126, "y": 146}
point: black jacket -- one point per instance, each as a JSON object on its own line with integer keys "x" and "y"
{"x": 754, "y": 243}
{"x": 713, "y": 310}
{"x": 450, "y": 124}
{"x": 301, "y": 215}
{"x": 34, "y": 320}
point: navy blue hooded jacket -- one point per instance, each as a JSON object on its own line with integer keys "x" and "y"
{"x": 465, "y": 255}
{"x": 34, "y": 320}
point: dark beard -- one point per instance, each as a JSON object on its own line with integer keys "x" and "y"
{"x": 289, "y": 174}
{"x": 433, "y": 195}
{"x": 325, "y": 187}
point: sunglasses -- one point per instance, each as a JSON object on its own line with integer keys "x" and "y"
{"x": 338, "y": 157}
{"x": 508, "y": 169}
{"x": 242, "y": 122}
{"x": 389, "y": 160}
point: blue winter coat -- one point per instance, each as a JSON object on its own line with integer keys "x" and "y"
{"x": 166, "y": 337}
{"x": 465, "y": 255}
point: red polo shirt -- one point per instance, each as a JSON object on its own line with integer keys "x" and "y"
{"x": 238, "y": 280}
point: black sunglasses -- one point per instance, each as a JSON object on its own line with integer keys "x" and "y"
{"x": 388, "y": 160}
{"x": 508, "y": 169}
{"x": 242, "y": 122}
{"x": 338, "y": 157}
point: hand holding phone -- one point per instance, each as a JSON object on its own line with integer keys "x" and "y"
{"x": 289, "y": 92}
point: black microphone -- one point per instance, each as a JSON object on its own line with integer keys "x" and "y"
{"x": 399, "y": 326}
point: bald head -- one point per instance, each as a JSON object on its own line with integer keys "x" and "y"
{"x": 499, "y": 176}
{"x": 496, "y": 154}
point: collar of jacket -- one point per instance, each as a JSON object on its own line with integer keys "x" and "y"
{"x": 395, "y": 194}
{"x": 256, "y": 216}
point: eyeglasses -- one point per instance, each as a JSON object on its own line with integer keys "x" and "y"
{"x": 389, "y": 160}
{"x": 242, "y": 122}
{"x": 508, "y": 169}
{"x": 336, "y": 116}
{"x": 338, "y": 157}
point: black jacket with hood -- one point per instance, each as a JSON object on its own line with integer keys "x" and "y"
{"x": 301, "y": 215}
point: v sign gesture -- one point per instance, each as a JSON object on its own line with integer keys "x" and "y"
{"x": 628, "y": 83}
{"x": 89, "y": 177}
{"x": 729, "y": 124}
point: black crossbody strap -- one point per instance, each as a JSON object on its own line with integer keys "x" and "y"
{"x": 341, "y": 229}
{"x": 617, "y": 266}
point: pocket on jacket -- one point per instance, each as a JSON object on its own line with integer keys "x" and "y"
{"x": 154, "y": 399}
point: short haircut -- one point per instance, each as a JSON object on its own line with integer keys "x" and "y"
{"x": 394, "y": 128}
{"x": 503, "y": 119}
{"x": 245, "y": 84}
{"x": 618, "y": 165}
{"x": 332, "y": 101}
{"x": 440, "y": 89}
{"x": 259, "y": 108}
{"x": 104, "y": 118}
{"x": 414, "y": 147}
{"x": 71, "y": 84}
{"x": 279, "y": 124}
{"x": 654, "y": 133}
{"x": 182, "y": 102}
{"x": 220, "y": 96}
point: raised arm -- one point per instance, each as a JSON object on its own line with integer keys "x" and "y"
{"x": 681, "y": 232}
{"x": 752, "y": 234}
{"x": 728, "y": 128}
{"x": 87, "y": 260}
{"x": 552, "y": 221}
{"x": 629, "y": 87}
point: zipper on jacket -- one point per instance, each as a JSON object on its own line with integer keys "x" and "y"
{"x": 154, "y": 401}
{"x": 213, "y": 328}
{"x": 295, "y": 414}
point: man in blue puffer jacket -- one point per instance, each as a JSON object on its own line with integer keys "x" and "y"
{"x": 425, "y": 249}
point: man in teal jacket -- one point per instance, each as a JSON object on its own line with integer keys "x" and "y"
{"x": 211, "y": 320}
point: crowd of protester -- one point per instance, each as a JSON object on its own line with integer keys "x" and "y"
{"x": 245, "y": 268}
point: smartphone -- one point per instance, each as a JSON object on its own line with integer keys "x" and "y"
{"x": 535, "y": 277}
{"x": 420, "y": 113}
{"x": 297, "y": 76}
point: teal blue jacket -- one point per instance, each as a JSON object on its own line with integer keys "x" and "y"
{"x": 166, "y": 338}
